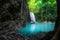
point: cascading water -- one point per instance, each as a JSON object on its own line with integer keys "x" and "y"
{"x": 32, "y": 17}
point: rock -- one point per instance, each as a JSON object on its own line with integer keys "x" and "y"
{"x": 7, "y": 31}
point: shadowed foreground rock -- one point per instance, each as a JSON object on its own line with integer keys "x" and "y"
{"x": 7, "y": 31}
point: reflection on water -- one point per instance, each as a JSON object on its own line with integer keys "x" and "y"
{"x": 38, "y": 27}
{"x": 32, "y": 27}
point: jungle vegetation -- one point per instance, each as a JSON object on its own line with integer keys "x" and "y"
{"x": 43, "y": 9}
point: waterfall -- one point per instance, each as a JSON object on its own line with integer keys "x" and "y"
{"x": 32, "y": 17}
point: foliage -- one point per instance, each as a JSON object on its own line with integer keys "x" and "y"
{"x": 43, "y": 9}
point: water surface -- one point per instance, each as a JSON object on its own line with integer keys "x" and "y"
{"x": 33, "y": 29}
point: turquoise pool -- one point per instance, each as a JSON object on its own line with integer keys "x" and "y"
{"x": 33, "y": 29}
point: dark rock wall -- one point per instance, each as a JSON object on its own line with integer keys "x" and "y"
{"x": 13, "y": 14}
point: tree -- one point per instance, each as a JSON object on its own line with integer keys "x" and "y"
{"x": 44, "y": 8}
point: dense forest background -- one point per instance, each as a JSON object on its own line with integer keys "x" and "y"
{"x": 44, "y": 10}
